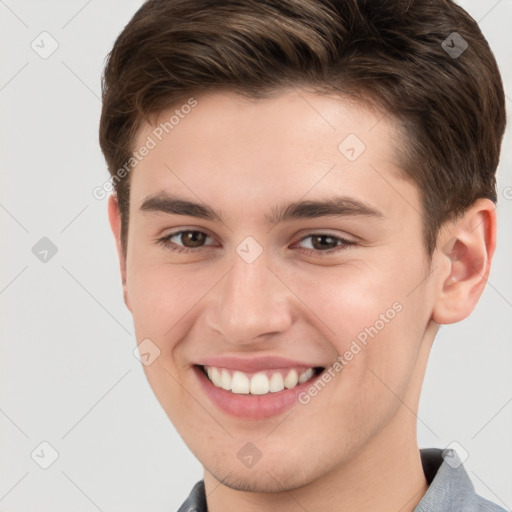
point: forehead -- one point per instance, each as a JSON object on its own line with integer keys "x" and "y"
{"x": 294, "y": 116}
{"x": 291, "y": 144}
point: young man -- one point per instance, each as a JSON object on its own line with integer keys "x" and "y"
{"x": 304, "y": 192}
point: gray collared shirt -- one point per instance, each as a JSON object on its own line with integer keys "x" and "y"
{"x": 450, "y": 489}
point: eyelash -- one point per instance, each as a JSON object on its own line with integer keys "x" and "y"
{"x": 343, "y": 243}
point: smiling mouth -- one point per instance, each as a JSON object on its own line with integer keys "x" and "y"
{"x": 259, "y": 383}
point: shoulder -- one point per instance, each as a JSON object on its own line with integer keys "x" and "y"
{"x": 483, "y": 505}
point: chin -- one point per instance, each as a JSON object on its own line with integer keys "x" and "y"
{"x": 263, "y": 477}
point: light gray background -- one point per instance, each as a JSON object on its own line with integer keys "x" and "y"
{"x": 68, "y": 373}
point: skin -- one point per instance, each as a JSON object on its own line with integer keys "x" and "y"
{"x": 353, "y": 446}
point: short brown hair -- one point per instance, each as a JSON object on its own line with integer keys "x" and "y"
{"x": 389, "y": 53}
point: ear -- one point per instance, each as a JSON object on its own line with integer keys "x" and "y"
{"x": 115, "y": 224}
{"x": 465, "y": 252}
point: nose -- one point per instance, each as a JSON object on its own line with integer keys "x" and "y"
{"x": 251, "y": 303}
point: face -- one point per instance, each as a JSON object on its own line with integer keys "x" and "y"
{"x": 266, "y": 238}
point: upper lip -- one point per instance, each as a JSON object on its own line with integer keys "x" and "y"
{"x": 254, "y": 363}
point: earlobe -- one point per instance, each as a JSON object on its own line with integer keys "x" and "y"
{"x": 115, "y": 224}
{"x": 465, "y": 249}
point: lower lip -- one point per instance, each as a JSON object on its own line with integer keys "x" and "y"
{"x": 251, "y": 406}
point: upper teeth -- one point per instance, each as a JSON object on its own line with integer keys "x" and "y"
{"x": 258, "y": 383}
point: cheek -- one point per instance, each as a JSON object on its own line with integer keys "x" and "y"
{"x": 166, "y": 299}
{"x": 159, "y": 296}
{"x": 163, "y": 298}
{"x": 350, "y": 298}
{"x": 369, "y": 315}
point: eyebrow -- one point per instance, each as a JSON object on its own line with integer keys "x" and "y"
{"x": 334, "y": 206}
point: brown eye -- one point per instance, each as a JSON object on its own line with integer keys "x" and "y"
{"x": 324, "y": 242}
{"x": 193, "y": 238}
{"x": 182, "y": 241}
